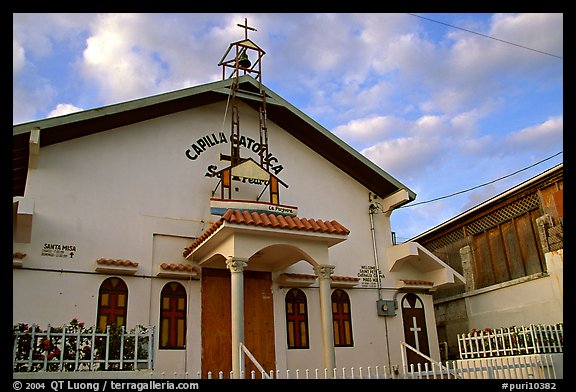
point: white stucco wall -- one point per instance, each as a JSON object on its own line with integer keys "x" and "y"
{"x": 132, "y": 193}
{"x": 530, "y": 301}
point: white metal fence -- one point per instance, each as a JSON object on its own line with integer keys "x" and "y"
{"x": 535, "y": 366}
{"x": 73, "y": 347}
{"x": 523, "y": 340}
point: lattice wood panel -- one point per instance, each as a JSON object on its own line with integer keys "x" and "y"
{"x": 445, "y": 240}
{"x": 486, "y": 222}
{"x": 504, "y": 214}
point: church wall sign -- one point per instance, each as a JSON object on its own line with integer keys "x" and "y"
{"x": 58, "y": 250}
{"x": 214, "y": 139}
{"x": 368, "y": 276}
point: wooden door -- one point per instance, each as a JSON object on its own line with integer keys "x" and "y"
{"x": 216, "y": 321}
{"x": 415, "y": 332}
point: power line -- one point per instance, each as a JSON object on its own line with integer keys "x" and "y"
{"x": 481, "y": 185}
{"x": 488, "y": 36}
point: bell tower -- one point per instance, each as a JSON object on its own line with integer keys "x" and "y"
{"x": 236, "y": 62}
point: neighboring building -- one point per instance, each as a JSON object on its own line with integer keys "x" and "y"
{"x": 154, "y": 212}
{"x": 510, "y": 250}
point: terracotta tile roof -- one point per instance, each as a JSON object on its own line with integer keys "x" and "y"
{"x": 417, "y": 282}
{"x": 299, "y": 276}
{"x": 117, "y": 262}
{"x": 269, "y": 221}
{"x": 177, "y": 267}
{"x": 345, "y": 279}
{"x": 312, "y": 277}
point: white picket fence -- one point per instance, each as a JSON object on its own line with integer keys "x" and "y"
{"x": 535, "y": 366}
{"x": 523, "y": 340}
{"x": 64, "y": 349}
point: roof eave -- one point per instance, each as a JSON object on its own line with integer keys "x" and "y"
{"x": 280, "y": 111}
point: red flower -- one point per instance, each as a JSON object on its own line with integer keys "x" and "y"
{"x": 46, "y": 344}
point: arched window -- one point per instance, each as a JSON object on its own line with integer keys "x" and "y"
{"x": 296, "y": 319}
{"x": 173, "y": 316}
{"x": 342, "y": 319}
{"x": 112, "y": 303}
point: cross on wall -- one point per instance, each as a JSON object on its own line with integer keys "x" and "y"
{"x": 113, "y": 310}
{"x": 297, "y": 318}
{"x": 415, "y": 329}
{"x": 173, "y": 315}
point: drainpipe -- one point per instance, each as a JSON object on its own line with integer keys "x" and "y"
{"x": 372, "y": 210}
{"x": 371, "y": 213}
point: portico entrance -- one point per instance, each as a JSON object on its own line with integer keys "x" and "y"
{"x": 238, "y": 254}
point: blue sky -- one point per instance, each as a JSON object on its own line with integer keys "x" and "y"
{"x": 440, "y": 108}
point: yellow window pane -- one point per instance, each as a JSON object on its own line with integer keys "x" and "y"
{"x": 345, "y": 308}
{"x": 121, "y": 300}
{"x": 334, "y": 307}
{"x": 119, "y": 320}
{"x": 166, "y": 303}
{"x": 302, "y": 308}
{"x": 104, "y": 299}
{"x": 102, "y": 322}
{"x": 289, "y": 308}
{"x": 165, "y": 331}
{"x": 291, "y": 334}
{"x": 180, "y": 331}
{"x": 347, "y": 333}
{"x": 303, "y": 334}
{"x": 181, "y": 303}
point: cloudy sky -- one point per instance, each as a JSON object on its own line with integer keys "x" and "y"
{"x": 443, "y": 102}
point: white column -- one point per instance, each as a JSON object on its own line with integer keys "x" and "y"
{"x": 324, "y": 271}
{"x": 236, "y": 267}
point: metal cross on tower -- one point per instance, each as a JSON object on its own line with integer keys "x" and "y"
{"x": 246, "y": 28}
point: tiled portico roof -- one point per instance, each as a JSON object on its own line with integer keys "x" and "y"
{"x": 273, "y": 221}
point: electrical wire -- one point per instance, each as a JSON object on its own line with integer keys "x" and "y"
{"x": 481, "y": 185}
{"x": 488, "y": 36}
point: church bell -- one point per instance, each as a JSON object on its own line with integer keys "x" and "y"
{"x": 243, "y": 60}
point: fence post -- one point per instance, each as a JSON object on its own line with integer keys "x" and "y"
{"x": 151, "y": 334}
{"x": 62, "y": 350}
{"x": 107, "y": 347}
{"x": 45, "y": 350}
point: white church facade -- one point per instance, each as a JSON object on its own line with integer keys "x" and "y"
{"x": 177, "y": 211}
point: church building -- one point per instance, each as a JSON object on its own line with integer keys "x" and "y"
{"x": 224, "y": 217}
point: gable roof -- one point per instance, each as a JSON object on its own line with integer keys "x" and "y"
{"x": 306, "y": 130}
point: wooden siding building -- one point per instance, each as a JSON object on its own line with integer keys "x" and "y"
{"x": 509, "y": 249}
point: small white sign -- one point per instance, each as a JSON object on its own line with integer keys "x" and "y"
{"x": 368, "y": 276}
{"x": 58, "y": 250}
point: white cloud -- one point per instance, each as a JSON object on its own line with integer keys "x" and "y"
{"x": 544, "y": 136}
{"x": 64, "y": 108}
{"x": 369, "y": 130}
{"x": 116, "y": 60}
{"x": 406, "y": 157}
{"x": 18, "y": 57}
